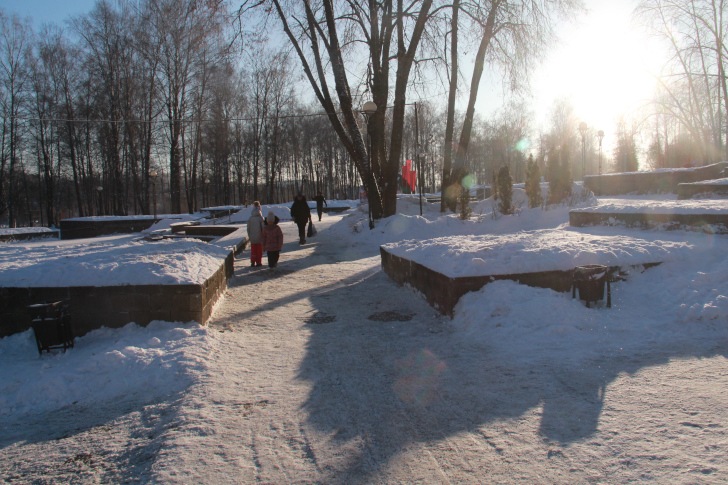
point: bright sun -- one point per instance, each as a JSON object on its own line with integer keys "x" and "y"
{"x": 603, "y": 64}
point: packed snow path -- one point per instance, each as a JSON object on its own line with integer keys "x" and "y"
{"x": 315, "y": 375}
{"x": 313, "y": 384}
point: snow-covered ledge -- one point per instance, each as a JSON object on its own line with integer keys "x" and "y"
{"x": 113, "y": 281}
{"x": 444, "y": 269}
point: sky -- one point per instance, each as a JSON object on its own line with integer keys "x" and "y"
{"x": 602, "y": 62}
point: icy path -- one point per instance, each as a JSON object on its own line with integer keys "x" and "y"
{"x": 310, "y": 389}
{"x": 306, "y": 382}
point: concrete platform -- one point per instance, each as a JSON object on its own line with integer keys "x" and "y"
{"x": 444, "y": 292}
{"x": 94, "y": 307}
{"x": 712, "y": 188}
{"x": 658, "y": 181}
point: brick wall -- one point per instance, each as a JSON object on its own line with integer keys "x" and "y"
{"x": 651, "y": 182}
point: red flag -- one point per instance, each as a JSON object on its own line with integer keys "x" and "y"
{"x": 413, "y": 179}
{"x": 409, "y": 166}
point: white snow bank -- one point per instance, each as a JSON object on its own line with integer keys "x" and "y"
{"x": 722, "y": 181}
{"x": 166, "y": 224}
{"x": 109, "y": 262}
{"x": 6, "y": 231}
{"x": 282, "y": 211}
{"x": 533, "y": 251}
{"x": 662, "y": 206}
{"x": 105, "y": 364}
{"x": 670, "y": 303}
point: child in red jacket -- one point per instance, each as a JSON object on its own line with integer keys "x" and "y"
{"x": 272, "y": 239}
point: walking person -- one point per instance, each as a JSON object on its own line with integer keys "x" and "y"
{"x": 255, "y": 235}
{"x": 301, "y": 213}
{"x": 272, "y": 239}
{"x": 320, "y": 201}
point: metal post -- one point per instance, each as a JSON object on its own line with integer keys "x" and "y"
{"x": 582, "y": 129}
{"x": 600, "y": 134}
{"x": 368, "y": 111}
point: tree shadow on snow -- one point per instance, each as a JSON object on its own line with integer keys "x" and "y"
{"x": 379, "y": 386}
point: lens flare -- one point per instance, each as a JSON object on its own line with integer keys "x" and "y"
{"x": 468, "y": 181}
{"x": 418, "y": 377}
{"x": 523, "y": 144}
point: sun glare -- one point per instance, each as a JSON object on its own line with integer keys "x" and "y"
{"x": 603, "y": 64}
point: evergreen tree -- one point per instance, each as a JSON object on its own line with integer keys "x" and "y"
{"x": 533, "y": 183}
{"x": 558, "y": 174}
{"x": 505, "y": 191}
{"x": 464, "y": 203}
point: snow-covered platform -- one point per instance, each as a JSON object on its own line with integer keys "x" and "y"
{"x": 25, "y": 233}
{"x": 709, "y": 188}
{"x": 710, "y": 215}
{"x": 444, "y": 269}
{"x": 113, "y": 281}
{"x": 657, "y": 181}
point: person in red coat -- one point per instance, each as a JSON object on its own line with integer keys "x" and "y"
{"x": 272, "y": 239}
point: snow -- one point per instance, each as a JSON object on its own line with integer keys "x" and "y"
{"x": 542, "y": 250}
{"x": 6, "y": 231}
{"x": 522, "y": 385}
{"x": 104, "y": 364}
{"x": 110, "y": 261}
{"x": 130, "y": 217}
{"x": 721, "y": 181}
{"x": 659, "y": 206}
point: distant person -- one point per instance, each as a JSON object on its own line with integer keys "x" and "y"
{"x": 255, "y": 235}
{"x": 320, "y": 201}
{"x": 272, "y": 239}
{"x": 301, "y": 213}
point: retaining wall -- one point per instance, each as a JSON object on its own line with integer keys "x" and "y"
{"x": 715, "y": 223}
{"x": 28, "y": 235}
{"x": 80, "y": 228}
{"x": 651, "y": 182}
{"x": 443, "y": 292}
{"x": 688, "y": 191}
{"x": 94, "y": 307}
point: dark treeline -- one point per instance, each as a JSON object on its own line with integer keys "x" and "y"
{"x": 134, "y": 95}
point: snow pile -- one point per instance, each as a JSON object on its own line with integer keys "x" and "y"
{"x": 166, "y": 223}
{"x": 672, "y": 302}
{"x": 105, "y": 364}
{"x": 7, "y": 231}
{"x": 407, "y": 224}
{"x": 109, "y": 262}
{"x": 282, "y": 211}
{"x": 533, "y": 251}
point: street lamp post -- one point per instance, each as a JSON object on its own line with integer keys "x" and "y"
{"x": 234, "y": 182}
{"x": 100, "y": 190}
{"x": 368, "y": 110}
{"x": 207, "y": 191}
{"x": 582, "y": 130}
{"x": 600, "y": 135}
{"x": 154, "y": 176}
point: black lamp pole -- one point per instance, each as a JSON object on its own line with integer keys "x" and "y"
{"x": 368, "y": 110}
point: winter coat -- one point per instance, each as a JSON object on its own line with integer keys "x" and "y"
{"x": 320, "y": 201}
{"x": 272, "y": 239}
{"x": 300, "y": 211}
{"x": 255, "y": 226}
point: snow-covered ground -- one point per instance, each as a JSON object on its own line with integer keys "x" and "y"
{"x": 312, "y": 372}
{"x": 108, "y": 261}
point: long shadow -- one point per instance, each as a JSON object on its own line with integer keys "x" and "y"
{"x": 387, "y": 385}
{"x": 97, "y": 424}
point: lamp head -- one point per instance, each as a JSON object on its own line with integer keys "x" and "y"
{"x": 369, "y": 108}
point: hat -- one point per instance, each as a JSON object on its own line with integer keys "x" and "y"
{"x": 271, "y": 217}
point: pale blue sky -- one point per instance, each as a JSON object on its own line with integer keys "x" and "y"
{"x": 42, "y": 11}
{"x": 603, "y": 62}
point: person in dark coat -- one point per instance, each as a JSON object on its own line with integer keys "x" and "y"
{"x": 320, "y": 201}
{"x": 301, "y": 214}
